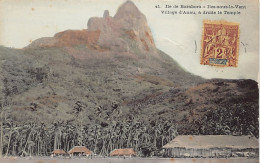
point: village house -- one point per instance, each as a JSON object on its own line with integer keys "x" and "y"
{"x": 58, "y": 152}
{"x": 80, "y": 150}
{"x": 212, "y": 146}
{"x": 123, "y": 152}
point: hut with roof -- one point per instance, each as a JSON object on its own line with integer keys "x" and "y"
{"x": 123, "y": 152}
{"x": 80, "y": 150}
{"x": 212, "y": 146}
{"x": 58, "y": 152}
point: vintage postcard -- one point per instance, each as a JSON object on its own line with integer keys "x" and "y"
{"x": 133, "y": 81}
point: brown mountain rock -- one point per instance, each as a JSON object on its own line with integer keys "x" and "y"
{"x": 126, "y": 31}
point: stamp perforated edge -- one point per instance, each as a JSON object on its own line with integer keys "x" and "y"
{"x": 202, "y": 41}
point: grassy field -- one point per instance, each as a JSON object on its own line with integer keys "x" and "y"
{"x": 128, "y": 160}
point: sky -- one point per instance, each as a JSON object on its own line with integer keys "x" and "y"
{"x": 22, "y": 21}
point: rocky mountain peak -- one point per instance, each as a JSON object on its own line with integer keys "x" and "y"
{"x": 126, "y": 31}
{"x": 128, "y": 10}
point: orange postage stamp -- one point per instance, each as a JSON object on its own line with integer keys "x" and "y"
{"x": 220, "y": 43}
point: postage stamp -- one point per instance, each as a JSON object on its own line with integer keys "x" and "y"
{"x": 220, "y": 43}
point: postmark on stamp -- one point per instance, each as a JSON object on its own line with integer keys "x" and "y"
{"x": 220, "y": 43}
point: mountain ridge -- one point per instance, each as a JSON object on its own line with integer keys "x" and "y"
{"x": 120, "y": 33}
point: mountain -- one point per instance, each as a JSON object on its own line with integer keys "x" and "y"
{"x": 126, "y": 31}
{"x": 113, "y": 80}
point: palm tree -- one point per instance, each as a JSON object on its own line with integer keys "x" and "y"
{"x": 30, "y": 132}
{"x": 10, "y": 127}
{"x": 78, "y": 108}
{"x": 57, "y": 133}
{"x": 1, "y": 132}
{"x": 3, "y": 109}
{"x": 31, "y": 144}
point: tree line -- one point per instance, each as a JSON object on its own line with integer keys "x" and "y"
{"x": 145, "y": 137}
{"x": 36, "y": 139}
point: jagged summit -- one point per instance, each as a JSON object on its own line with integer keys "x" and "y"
{"x": 125, "y": 32}
{"x": 106, "y": 14}
{"x": 128, "y": 9}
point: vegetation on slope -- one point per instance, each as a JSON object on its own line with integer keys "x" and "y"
{"x": 122, "y": 100}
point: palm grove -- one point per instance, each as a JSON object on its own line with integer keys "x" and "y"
{"x": 39, "y": 139}
{"x": 32, "y": 138}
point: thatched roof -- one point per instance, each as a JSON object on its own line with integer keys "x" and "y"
{"x": 123, "y": 152}
{"x": 80, "y": 149}
{"x": 58, "y": 151}
{"x": 213, "y": 141}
